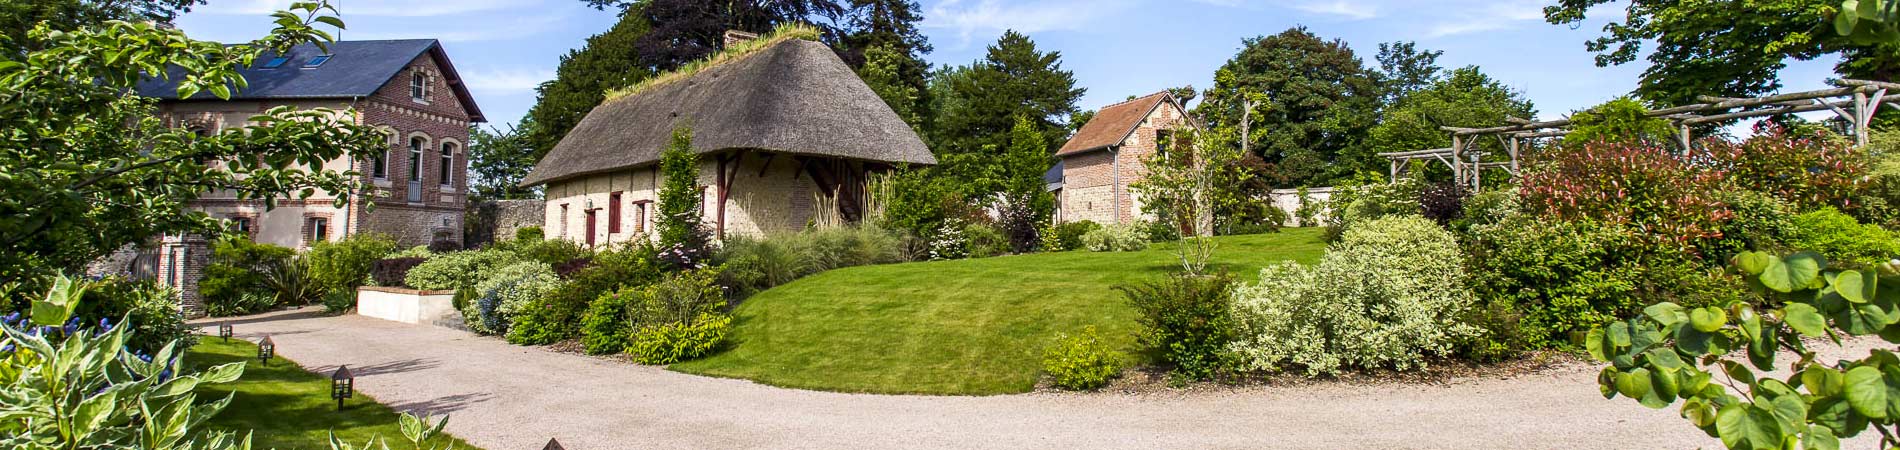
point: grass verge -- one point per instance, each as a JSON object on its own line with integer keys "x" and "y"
{"x": 966, "y": 327}
{"x": 288, "y": 408}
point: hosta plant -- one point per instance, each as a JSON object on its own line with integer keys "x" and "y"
{"x": 75, "y": 388}
{"x": 1712, "y": 362}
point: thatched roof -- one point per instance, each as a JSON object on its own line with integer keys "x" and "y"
{"x": 794, "y": 97}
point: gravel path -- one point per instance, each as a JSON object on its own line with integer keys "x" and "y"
{"x": 505, "y": 397}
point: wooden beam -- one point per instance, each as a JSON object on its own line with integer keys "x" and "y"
{"x": 1778, "y": 111}
{"x": 768, "y": 165}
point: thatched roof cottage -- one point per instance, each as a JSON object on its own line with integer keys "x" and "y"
{"x": 786, "y": 132}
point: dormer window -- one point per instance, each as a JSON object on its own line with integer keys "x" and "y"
{"x": 316, "y": 62}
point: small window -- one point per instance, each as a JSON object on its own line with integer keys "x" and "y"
{"x": 316, "y": 62}
{"x": 418, "y": 86}
{"x": 241, "y": 224}
{"x": 563, "y": 231}
{"x": 448, "y": 163}
{"x": 319, "y": 229}
{"x": 275, "y": 62}
{"x": 1162, "y": 139}
{"x": 415, "y": 159}
{"x": 640, "y": 218}
{"x": 379, "y": 165}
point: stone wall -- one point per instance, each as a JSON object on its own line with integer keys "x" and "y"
{"x": 1096, "y": 184}
{"x": 493, "y": 221}
{"x": 1289, "y": 200}
{"x": 768, "y": 195}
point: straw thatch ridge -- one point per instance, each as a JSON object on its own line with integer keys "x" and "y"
{"x": 794, "y": 96}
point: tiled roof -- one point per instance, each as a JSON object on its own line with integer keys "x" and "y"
{"x": 1112, "y": 124}
{"x": 354, "y": 69}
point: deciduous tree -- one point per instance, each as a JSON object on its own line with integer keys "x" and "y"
{"x": 1320, "y": 101}
{"x": 88, "y": 166}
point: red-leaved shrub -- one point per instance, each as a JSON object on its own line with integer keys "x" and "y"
{"x": 1665, "y": 200}
{"x": 1809, "y": 171}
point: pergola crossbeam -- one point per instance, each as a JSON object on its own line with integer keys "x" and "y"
{"x": 1855, "y": 101}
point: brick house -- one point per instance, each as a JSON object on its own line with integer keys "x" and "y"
{"x": 1094, "y": 169}
{"x": 407, "y": 88}
{"x": 787, "y": 135}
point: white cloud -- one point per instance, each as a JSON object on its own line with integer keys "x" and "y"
{"x": 970, "y": 17}
{"x": 1488, "y": 16}
{"x": 508, "y": 79}
{"x": 1351, "y": 10}
{"x": 378, "y": 8}
{"x": 479, "y": 29}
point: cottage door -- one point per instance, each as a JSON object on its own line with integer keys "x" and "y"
{"x": 590, "y": 226}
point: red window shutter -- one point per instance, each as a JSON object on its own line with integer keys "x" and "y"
{"x": 613, "y": 212}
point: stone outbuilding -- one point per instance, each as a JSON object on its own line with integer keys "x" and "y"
{"x": 1095, "y": 168}
{"x": 786, "y": 133}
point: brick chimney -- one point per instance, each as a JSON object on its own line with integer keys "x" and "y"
{"x": 735, "y": 37}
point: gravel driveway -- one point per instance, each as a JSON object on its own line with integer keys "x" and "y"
{"x": 510, "y": 397}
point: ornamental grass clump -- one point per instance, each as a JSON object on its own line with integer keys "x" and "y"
{"x": 1082, "y": 362}
{"x": 1387, "y": 295}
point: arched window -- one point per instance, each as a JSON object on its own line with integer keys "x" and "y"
{"x": 415, "y": 158}
{"x": 448, "y": 163}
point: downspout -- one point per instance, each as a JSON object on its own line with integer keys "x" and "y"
{"x": 1114, "y": 191}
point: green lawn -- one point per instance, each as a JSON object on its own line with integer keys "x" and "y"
{"x": 955, "y": 327}
{"x": 288, "y": 408}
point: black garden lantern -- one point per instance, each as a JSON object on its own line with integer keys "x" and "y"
{"x": 224, "y": 331}
{"x": 553, "y": 445}
{"x": 265, "y": 350}
{"x": 342, "y": 385}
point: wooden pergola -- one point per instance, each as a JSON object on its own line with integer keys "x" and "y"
{"x": 1855, "y": 101}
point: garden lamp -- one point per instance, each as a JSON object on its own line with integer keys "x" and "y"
{"x": 553, "y": 445}
{"x": 265, "y": 350}
{"x": 342, "y": 385}
{"x": 224, "y": 331}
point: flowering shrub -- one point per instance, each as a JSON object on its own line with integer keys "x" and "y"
{"x": 457, "y": 270}
{"x": 1388, "y": 294}
{"x": 948, "y": 242}
{"x": 1116, "y": 238}
{"x": 1665, "y": 200}
{"x": 1808, "y": 170}
{"x": 505, "y": 293}
{"x": 1082, "y": 362}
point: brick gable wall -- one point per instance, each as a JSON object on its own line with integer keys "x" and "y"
{"x": 438, "y": 119}
{"x": 1095, "y": 184}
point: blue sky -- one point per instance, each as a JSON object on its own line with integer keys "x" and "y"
{"x": 1116, "y": 48}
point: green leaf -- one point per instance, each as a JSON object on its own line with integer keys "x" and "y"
{"x": 1666, "y": 313}
{"x": 1804, "y": 319}
{"x": 1663, "y": 357}
{"x": 1822, "y": 381}
{"x": 1820, "y": 438}
{"x": 1854, "y": 286}
{"x": 1594, "y": 343}
{"x": 1866, "y": 392}
{"x": 1619, "y": 334}
{"x": 1753, "y": 263}
{"x": 93, "y": 413}
{"x": 1708, "y": 319}
{"x": 1793, "y": 273}
{"x": 1635, "y": 384}
{"x": 59, "y": 303}
{"x": 1845, "y": 19}
{"x": 1698, "y": 413}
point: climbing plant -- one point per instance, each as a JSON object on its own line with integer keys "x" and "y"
{"x": 1713, "y": 361}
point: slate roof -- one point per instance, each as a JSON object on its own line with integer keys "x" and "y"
{"x": 1113, "y": 123}
{"x": 355, "y": 69}
{"x": 793, "y": 97}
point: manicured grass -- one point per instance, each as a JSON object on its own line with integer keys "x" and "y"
{"x": 288, "y": 408}
{"x": 956, "y": 327}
